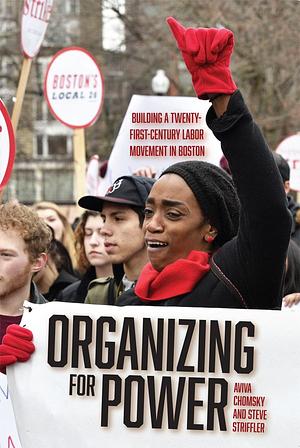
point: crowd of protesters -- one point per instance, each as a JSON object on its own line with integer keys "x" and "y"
{"x": 196, "y": 237}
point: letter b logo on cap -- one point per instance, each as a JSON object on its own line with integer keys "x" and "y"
{"x": 115, "y": 186}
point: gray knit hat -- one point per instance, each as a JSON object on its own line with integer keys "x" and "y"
{"x": 215, "y": 193}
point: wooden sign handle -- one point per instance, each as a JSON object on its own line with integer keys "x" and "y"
{"x": 1, "y": 194}
{"x": 79, "y": 163}
{"x": 21, "y": 92}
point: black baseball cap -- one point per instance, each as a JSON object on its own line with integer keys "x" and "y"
{"x": 126, "y": 190}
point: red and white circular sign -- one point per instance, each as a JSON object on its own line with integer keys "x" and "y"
{"x": 35, "y": 18}
{"x": 74, "y": 87}
{"x": 289, "y": 149}
{"x": 7, "y": 146}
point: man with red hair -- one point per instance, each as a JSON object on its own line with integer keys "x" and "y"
{"x": 24, "y": 241}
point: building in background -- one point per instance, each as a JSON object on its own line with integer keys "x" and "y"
{"x": 44, "y": 162}
{"x": 131, "y": 41}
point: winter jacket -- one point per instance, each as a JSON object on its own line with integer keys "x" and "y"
{"x": 63, "y": 280}
{"x": 35, "y": 295}
{"x": 77, "y": 291}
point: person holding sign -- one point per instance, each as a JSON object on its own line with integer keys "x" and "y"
{"x": 24, "y": 242}
{"x": 203, "y": 251}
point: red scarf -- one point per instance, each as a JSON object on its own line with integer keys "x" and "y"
{"x": 175, "y": 279}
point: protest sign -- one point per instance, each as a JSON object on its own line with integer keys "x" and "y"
{"x": 34, "y": 23}
{"x": 7, "y": 146}
{"x": 35, "y": 19}
{"x": 289, "y": 148}
{"x": 74, "y": 87}
{"x": 164, "y": 376}
{"x": 8, "y": 431}
{"x": 159, "y": 131}
{"x": 74, "y": 92}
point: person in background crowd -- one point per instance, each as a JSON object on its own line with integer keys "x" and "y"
{"x": 58, "y": 272}
{"x": 202, "y": 251}
{"x": 145, "y": 171}
{"x": 92, "y": 260}
{"x": 291, "y": 299}
{"x": 24, "y": 242}
{"x": 55, "y": 218}
{"x": 96, "y": 171}
{"x": 293, "y": 207}
{"x": 292, "y": 276}
{"x": 122, "y": 211}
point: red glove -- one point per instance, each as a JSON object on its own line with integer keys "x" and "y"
{"x": 206, "y": 53}
{"x": 16, "y": 345}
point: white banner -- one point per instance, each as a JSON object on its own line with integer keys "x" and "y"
{"x": 158, "y": 376}
{"x": 158, "y": 131}
{"x": 8, "y": 431}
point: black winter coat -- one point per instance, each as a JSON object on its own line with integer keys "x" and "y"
{"x": 77, "y": 291}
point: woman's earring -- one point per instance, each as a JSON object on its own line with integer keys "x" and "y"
{"x": 209, "y": 238}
